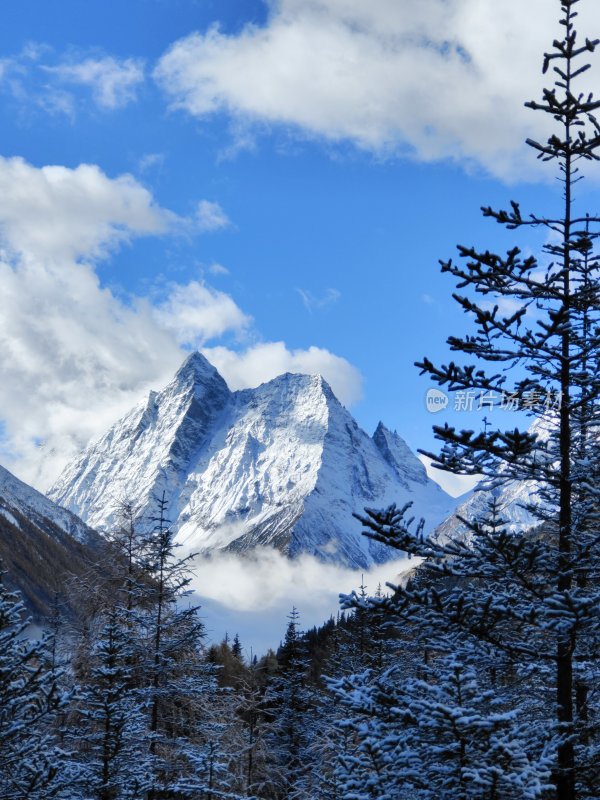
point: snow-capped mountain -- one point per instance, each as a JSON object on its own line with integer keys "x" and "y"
{"x": 513, "y": 501}
{"x": 41, "y": 544}
{"x": 18, "y": 497}
{"x": 516, "y": 501}
{"x": 283, "y": 465}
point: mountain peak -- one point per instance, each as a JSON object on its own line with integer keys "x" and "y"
{"x": 283, "y": 464}
{"x": 399, "y": 455}
{"x": 303, "y": 380}
{"x": 382, "y": 430}
{"x": 196, "y": 368}
{"x": 197, "y": 377}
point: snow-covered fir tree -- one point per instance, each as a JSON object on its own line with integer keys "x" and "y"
{"x": 521, "y": 609}
{"x": 30, "y": 761}
{"x": 290, "y": 703}
{"x": 185, "y": 742}
{"x": 442, "y": 737}
{"x": 108, "y": 731}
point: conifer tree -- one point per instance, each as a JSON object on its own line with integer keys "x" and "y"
{"x": 524, "y": 607}
{"x": 130, "y": 545}
{"x": 30, "y": 762}
{"x": 108, "y": 731}
{"x": 236, "y": 648}
{"x": 184, "y": 739}
{"x": 290, "y": 701}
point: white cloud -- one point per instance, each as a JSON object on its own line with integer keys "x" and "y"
{"x": 265, "y": 361}
{"x": 211, "y": 217}
{"x": 252, "y": 594}
{"x": 196, "y": 313}
{"x": 434, "y": 78}
{"x": 34, "y": 83}
{"x": 114, "y": 82}
{"x": 73, "y": 356}
{"x": 264, "y": 578}
{"x": 314, "y": 302}
{"x": 56, "y": 213}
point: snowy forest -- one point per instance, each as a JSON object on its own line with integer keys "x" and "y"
{"x": 477, "y": 678}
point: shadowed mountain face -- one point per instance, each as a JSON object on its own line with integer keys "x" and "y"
{"x": 42, "y": 546}
{"x": 282, "y": 465}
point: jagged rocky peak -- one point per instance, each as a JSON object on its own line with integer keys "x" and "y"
{"x": 399, "y": 455}
{"x": 198, "y": 386}
{"x": 197, "y": 371}
{"x": 299, "y": 382}
{"x": 282, "y": 465}
{"x": 292, "y": 393}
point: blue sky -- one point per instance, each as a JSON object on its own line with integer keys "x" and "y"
{"x": 273, "y": 182}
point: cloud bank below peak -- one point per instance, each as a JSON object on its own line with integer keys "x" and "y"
{"x": 436, "y": 79}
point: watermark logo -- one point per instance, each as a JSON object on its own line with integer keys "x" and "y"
{"x": 436, "y": 400}
{"x": 471, "y": 400}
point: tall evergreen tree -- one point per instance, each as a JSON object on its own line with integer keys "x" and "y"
{"x": 290, "y": 702}
{"x": 186, "y": 749}
{"x": 524, "y": 607}
{"x": 108, "y": 731}
{"x": 30, "y": 763}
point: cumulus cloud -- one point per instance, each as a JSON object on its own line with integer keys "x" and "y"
{"x": 73, "y": 356}
{"x": 73, "y": 359}
{"x": 196, "y": 313}
{"x": 435, "y": 79}
{"x": 114, "y": 82}
{"x": 62, "y": 214}
{"x": 263, "y": 362}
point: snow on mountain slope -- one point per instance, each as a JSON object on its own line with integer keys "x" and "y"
{"x": 283, "y": 465}
{"x": 149, "y": 450}
{"x": 512, "y": 501}
{"x": 515, "y": 500}
{"x": 17, "y": 498}
{"x": 42, "y": 546}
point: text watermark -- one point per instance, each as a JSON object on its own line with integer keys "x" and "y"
{"x": 437, "y": 400}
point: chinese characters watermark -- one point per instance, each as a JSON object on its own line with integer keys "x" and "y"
{"x": 473, "y": 400}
